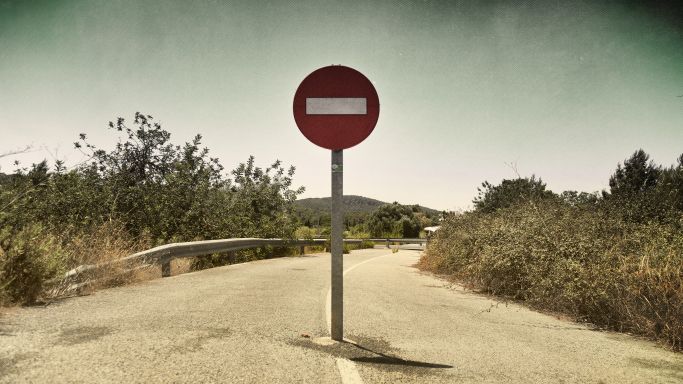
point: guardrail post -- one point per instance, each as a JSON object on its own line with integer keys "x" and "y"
{"x": 302, "y": 250}
{"x": 166, "y": 268}
{"x": 388, "y": 244}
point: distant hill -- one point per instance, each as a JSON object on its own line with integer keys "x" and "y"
{"x": 352, "y": 204}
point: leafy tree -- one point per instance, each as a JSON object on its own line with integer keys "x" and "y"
{"x": 266, "y": 199}
{"x": 394, "y": 220}
{"x": 641, "y": 191}
{"x": 638, "y": 174}
{"x": 152, "y": 185}
{"x": 670, "y": 188}
{"x": 158, "y": 190}
{"x": 493, "y": 197}
{"x": 425, "y": 220}
{"x": 179, "y": 192}
{"x": 575, "y": 198}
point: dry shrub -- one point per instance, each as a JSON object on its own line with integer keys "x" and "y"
{"x": 107, "y": 242}
{"x": 314, "y": 249}
{"x": 101, "y": 245}
{"x": 28, "y": 258}
{"x": 614, "y": 274}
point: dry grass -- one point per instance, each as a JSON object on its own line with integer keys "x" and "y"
{"x": 314, "y": 249}
{"x": 621, "y": 276}
{"x": 102, "y": 245}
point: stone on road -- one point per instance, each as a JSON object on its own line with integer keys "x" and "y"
{"x": 265, "y": 322}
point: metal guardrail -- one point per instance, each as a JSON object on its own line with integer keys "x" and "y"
{"x": 164, "y": 254}
{"x": 400, "y": 241}
{"x": 415, "y": 240}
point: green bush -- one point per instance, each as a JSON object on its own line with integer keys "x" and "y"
{"x": 28, "y": 258}
{"x": 366, "y": 244}
{"x": 492, "y": 197}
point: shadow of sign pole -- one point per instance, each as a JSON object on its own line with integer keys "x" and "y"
{"x": 381, "y": 358}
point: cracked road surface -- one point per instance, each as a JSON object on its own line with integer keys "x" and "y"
{"x": 265, "y": 322}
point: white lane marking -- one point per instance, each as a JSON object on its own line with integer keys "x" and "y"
{"x": 349, "y": 373}
{"x": 328, "y": 300}
{"x": 347, "y": 369}
{"x": 336, "y": 106}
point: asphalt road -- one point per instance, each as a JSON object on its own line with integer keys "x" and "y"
{"x": 266, "y": 322}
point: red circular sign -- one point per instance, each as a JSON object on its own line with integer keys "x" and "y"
{"x": 336, "y": 107}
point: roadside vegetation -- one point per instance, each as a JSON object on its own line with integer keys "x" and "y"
{"x": 147, "y": 191}
{"x": 613, "y": 259}
{"x": 144, "y": 192}
{"x": 359, "y": 210}
{"x": 382, "y": 220}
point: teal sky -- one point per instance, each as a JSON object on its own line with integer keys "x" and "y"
{"x": 564, "y": 90}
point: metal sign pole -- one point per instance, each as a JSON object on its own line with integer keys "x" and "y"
{"x": 337, "y": 247}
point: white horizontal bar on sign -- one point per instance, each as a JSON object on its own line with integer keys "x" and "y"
{"x": 336, "y": 106}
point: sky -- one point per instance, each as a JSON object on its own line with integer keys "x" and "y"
{"x": 469, "y": 90}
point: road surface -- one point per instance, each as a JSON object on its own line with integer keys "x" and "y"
{"x": 266, "y": 322}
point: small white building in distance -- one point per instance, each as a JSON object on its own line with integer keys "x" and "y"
{"x": 431, "y": 230}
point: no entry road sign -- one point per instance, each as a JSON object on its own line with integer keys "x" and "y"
{"x": 336, "y": 107}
